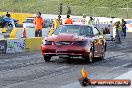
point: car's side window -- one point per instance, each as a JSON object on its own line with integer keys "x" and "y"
{"x": 96, "y": 31}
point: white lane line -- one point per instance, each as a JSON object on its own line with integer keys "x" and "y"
{"x": 124, "y": 65}
{"x": 61, "y": 67}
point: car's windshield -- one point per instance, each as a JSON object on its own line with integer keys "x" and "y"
{"x": 80, "y": 30}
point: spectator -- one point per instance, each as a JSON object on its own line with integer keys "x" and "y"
{"x": 91, "y": 21}
{"x": 39, "y": 22}
{"x": 7, "y": 14}
{"x": 55, "y": 25}
{"x": 68, "y": 20}
{"x": 84, "y": 19}
{"x": 109, "y": 29}
{"x": 118, "y": 32}
{"x": 57, "y": 22}
{"x": 9, "y": 21}
{"x": 123, "y": 27}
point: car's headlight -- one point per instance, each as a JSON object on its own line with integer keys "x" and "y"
{"x": 47, "y": 42}
{"x": 80, "y": 43}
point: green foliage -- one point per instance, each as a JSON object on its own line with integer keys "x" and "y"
{"x": 78, "y": 7}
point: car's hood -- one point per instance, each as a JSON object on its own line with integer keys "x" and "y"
{"x": 66, "y": 37}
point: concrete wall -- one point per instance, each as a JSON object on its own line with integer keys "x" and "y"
{"x": 13, "y": 45}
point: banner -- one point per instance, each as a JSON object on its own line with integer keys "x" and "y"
{"x": 15, "y": 46}
{"x": 3, "y": 46}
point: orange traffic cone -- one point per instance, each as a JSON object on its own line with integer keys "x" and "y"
{"x": 24, "y": 33}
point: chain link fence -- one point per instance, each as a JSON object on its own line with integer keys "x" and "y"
{"x": 51, "y": 7}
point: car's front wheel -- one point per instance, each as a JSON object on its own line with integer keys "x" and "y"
{"x": 90, "y": 57}
{"x": 47, "y": 58}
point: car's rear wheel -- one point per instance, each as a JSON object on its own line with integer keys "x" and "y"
{"x": 47, "y": 58}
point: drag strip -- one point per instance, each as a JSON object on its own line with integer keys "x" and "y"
{"x": 29, "y": 70}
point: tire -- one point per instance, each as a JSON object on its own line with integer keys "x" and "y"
{"x": 90, "y": 57}
{"x": 47, "y": 58}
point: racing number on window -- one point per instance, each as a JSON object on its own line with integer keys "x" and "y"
{"x": 98, "y": 42}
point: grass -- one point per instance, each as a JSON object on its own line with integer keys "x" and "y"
{"x": 78, "y": 7}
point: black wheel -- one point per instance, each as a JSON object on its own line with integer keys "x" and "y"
{"x": 47, "y": 58}
{"x": 68, "y": 59}
{"x": 90, "y": 57}
{"x": 86, "y": 58}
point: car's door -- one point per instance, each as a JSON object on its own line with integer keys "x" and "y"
{"x": 98, "y": 42}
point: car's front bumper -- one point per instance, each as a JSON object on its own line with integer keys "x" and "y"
{"x": 72, "y": 51}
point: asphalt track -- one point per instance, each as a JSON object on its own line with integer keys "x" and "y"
{"x": 29, "y": 70}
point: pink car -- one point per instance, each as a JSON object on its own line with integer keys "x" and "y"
{"x": 74, "y": 41}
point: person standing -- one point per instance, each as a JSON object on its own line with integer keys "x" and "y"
{"x": 39, "y": 22}
{"x": 123, "y": 26}
{"x": 118, "y": 30}
{"x": 84, "y": 21}
{"x": 91, "y": 21}
{"x": 68, "y": 20}
{"x": 56, "y": 23}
